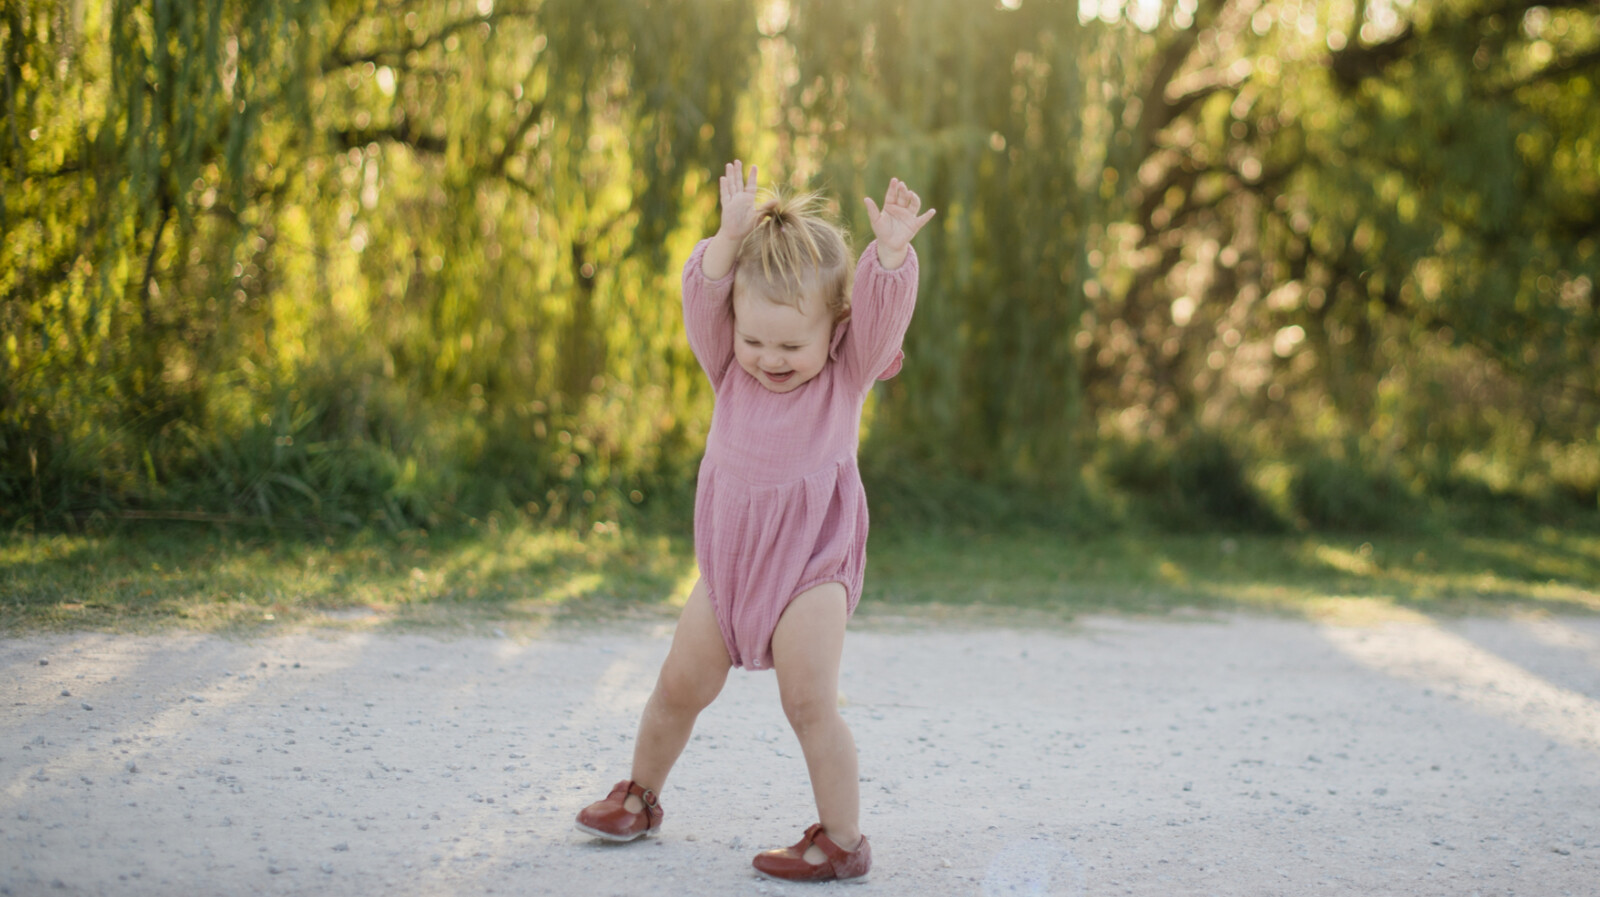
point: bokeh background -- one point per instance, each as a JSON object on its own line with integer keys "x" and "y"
{"x": 1269, "y": 265}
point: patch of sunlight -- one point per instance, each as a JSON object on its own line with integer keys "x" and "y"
{"x": 1557, "y": 634}
{"x": 577, "y": 585}
{"x": 1557, "y": 593}
{"x": 1358, "y": 610}
{"x": 1337, "y": 610}
{"x": 518, "y": 551}
{"x": 1262, "y": 595}
{"x": 1456, "y": 668}
{"x": 1543, "y": 563}
{"x": 1357, "y": 562}
{"x": 1171, "y": 573}
{"x": 32, "y": 549}
{"x": 1492, "y": 585}
{"x": 680, "y": 591}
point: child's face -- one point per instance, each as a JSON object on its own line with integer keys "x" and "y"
{"x": 779, "y": 345}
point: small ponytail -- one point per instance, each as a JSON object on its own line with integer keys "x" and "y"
{"x": 795, "y": 250}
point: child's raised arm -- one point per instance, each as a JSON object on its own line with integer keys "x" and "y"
{"x": 739, "y": 217}
{"x": 897, "y": 223}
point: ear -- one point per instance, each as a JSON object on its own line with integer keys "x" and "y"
{"x": 841, "y": 326}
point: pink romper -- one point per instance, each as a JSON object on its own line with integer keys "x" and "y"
{"x": 779, "y": 508}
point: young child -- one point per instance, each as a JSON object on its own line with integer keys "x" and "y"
{"x": 780, "y": 515}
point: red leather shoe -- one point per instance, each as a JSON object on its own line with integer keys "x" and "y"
{"x": 789, "y": 863}
{"x": 610, "y": 819}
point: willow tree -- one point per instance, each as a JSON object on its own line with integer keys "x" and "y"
{"x": 350, "y": 259}
{"x": 347, "y": 258}
{"x": 129, "y": 146}
{"x": 985, "y": 111}
{"x": 1374, "y": 244}
{"x": 1233, "y": 229}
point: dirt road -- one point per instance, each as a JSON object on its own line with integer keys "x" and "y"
{"x": 1236, "y": 755}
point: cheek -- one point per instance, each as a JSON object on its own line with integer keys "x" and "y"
{"x": 814, "y": 360}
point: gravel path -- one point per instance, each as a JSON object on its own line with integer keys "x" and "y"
{"x": 1239, "y": 755}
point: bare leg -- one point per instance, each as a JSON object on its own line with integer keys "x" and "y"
{"x": 806, "y": 649}
{"x": 691, "y": 678}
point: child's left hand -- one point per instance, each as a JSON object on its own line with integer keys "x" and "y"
{"x": 896, "y": 223}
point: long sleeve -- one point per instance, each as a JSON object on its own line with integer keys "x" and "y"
{"x": 881, "y": 304}
{"x": 708, "y": 317}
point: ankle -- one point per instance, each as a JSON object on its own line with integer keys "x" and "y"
{"x": 848, "y": 840}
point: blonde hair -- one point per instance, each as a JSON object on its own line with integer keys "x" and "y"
{"x": 795, "y": 250}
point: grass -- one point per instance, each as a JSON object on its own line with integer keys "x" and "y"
{"x": 203, "y": 579}
{"x": 175, "y": 576}
{"x": 1317, "y": 576}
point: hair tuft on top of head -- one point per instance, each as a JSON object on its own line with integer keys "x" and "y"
{"x": 798, "y": 249}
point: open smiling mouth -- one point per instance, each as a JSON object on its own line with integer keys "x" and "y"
{"x": 778, "y": 378}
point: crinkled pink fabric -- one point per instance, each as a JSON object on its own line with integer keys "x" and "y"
{"x": 780, "y": 507}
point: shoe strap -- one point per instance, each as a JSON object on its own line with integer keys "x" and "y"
{"x": 644, "y": 794}
{"x": 652, "y": 804}
{"x": 838, "y": 855}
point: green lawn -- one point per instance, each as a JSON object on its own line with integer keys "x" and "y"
{"x": 1311, "y": 575}
{"x": 517, "y": 578}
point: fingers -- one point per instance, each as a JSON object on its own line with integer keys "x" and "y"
{"x": 902, "y": 197}
{"x": 872, "y": 209}
{"x": 734, "y": 181}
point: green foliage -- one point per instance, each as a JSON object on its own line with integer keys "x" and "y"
{"x": 1337, "y": 494}
{"x": 983, "y": 110}
{"x": 344, "y": 263}
{"x": 1193, "y": 483}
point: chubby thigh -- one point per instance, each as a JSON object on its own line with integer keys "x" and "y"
{"x": 697, "y": 664}
{"x": 806, "y": 649}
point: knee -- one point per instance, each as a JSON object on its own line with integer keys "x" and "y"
{"x": 680, "y": 693}
{"x": 807, "y": 712}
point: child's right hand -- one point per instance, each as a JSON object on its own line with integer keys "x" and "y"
{"x": 739, "y": 213}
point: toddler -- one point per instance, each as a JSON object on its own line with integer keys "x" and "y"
{"x": 780, "y": 520}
